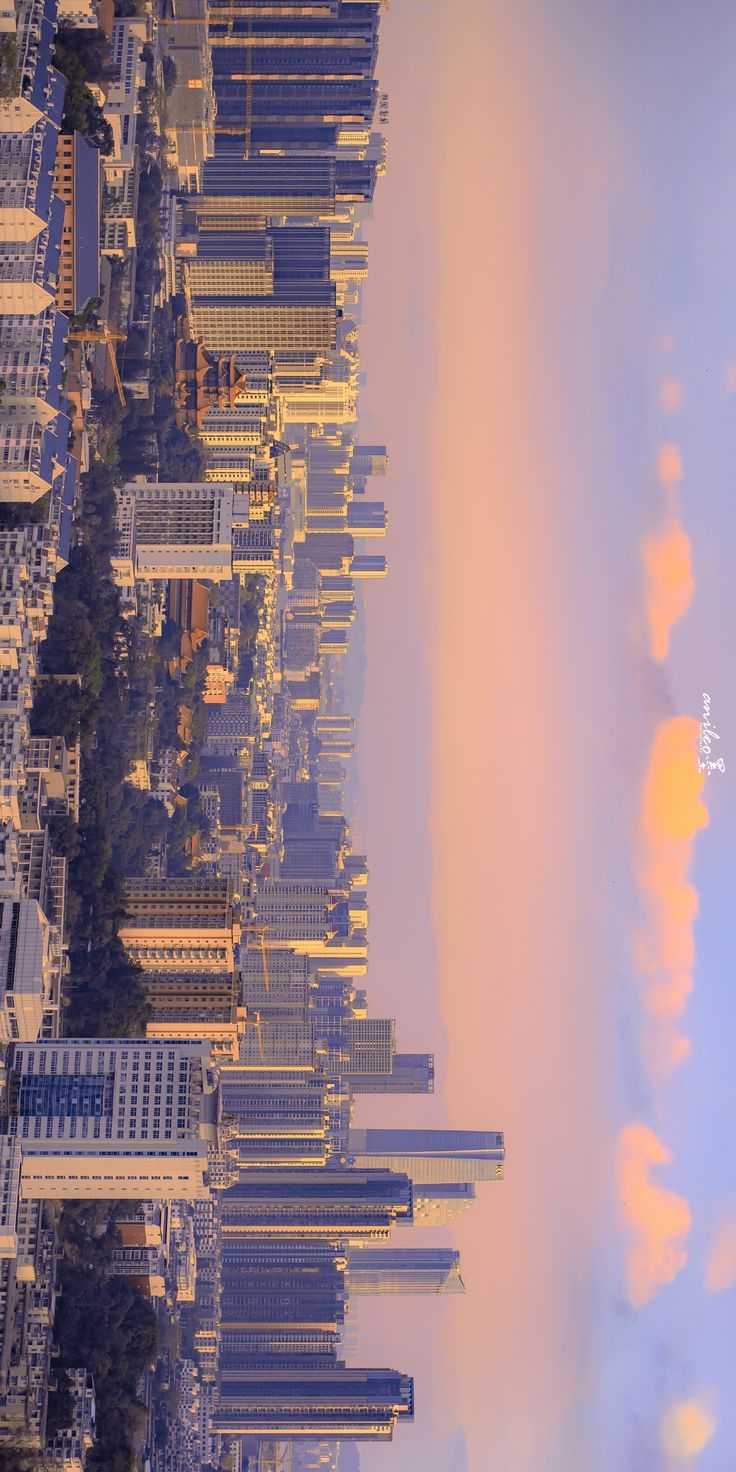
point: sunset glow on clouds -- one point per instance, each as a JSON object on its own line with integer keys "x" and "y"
{"x": 721, "y": 1265}
{"x": 656, "y": 1220}
{"x": 670, "y": 395}
{"x": 670, "y": 584}
{"x": 686, "y": 1430}
{"x": 666, "y": 553}
{"x": 672, "y": 813}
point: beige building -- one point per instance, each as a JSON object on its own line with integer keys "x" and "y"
{"x": 118, "y": 1119}
{"x": 180, "y": 925}
{"x": 25, "y": 969}
{"x": 174, "y": 530}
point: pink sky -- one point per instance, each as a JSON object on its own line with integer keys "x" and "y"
{"x": 513, "y": 341}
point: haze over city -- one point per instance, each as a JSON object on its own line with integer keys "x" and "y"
{"x": 367, "y": 384}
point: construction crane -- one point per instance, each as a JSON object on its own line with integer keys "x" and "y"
{"x": 260, "y": 930}
{"x": 259, "y": 1026}
{"x": 275, "y": 1456}
{"x": 248, "y": 85}
{"x": 108, "y": 335}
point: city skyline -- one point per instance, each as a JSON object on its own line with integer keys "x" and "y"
{"x": 366, "y": 798}
{"x": 187, "y": 1019}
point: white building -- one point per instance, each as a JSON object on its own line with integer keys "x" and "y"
{"x": 24, "y": 968}
{"x": 113, "y": 1118}
{"x": 9, "y": 1193}
{"x": 174, "y": 530}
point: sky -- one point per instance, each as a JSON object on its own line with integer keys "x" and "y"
{"x": 549, "y": 340}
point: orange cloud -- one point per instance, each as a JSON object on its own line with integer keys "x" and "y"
{"x": 672, "y": 808}
{"x": 670, "y": 585}
{"x": 669, "y": 465}
{"x": 672, "y": 813}
{"x": 720, "y": 1272}
{"x": 657, "y": 1220}
{"x": 686, "y": 1429}
{"x": 670, "y": 395}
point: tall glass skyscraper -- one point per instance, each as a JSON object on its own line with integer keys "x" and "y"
{"x": 360, "y": 1404}
{"x": 404, "y": 1270}
{"x": 432, "y": 1156}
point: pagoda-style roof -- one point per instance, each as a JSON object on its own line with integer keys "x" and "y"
{"x": 202, "y": 382}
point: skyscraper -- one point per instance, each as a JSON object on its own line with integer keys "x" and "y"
{"x": 295, "y": 82}
{"x": 404, "y": 1270}
{"x": 431, "y": 1156}
{"x": 360, "y": 1404}
{"x": 411, "y": 1073}
{"x": 282, "y": 1305}
{"x": 436, "y": 1206}
{"x": 252, "y": 290}
{"x": 270, "y": 1120}
{"x": 341, "y": 1204}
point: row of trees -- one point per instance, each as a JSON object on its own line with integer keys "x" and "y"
{"x": 83, "y": 56}
{"x": 251, "y": 608}
{"x": 102, "y": 1322}
{"x": 85, "y": 693}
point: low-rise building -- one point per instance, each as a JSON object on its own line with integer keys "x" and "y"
{"x": 68, "y": 1449}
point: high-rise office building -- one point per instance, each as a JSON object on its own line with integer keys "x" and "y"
{"x": 294, "y": 83}
{"x": 112, "y": 1118}
{"x": 438, "y": 1205}
{"x": 279, "y": 988}
{"x": 302, "y": 318}
{"x": 282, "y": 1305}
{"x": 241, "y": 194}
{"x": 369, "y": 460}
{"x": 404, "y": 1270}
{"x": 367, "y": 518}
{"x": 368, "y": 565}
{"x": 249, "y": 291}
{"x": 411, "y": 1073}
{"x": 339, "y": 1204}
{"x": 360, "y": 1404}
{"x": 271, "y": 1120}
{"x": 369, "y": 1046}
{"x": 431, "y": 1156}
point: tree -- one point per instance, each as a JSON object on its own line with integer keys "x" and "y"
{"x": 171, "y": 75}
{"x": 103, "y": 1323}
{"x": 60, "y": 1412}
{"x": 20, "y": 1455}
{"x": 83, "y": 56}
{"x": 10, "y": 73}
